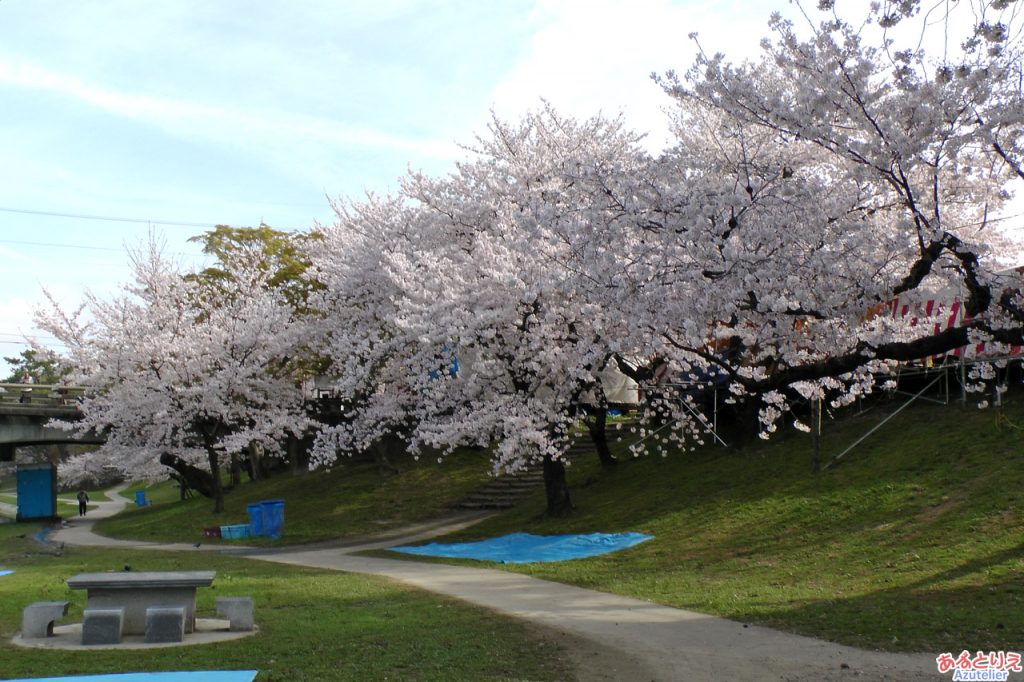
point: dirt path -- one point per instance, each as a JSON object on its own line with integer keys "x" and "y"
{"x": 609, "y": 637}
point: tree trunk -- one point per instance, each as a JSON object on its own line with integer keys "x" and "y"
{"x": 381, "y": 450}
{"x": 218, "y": 490}
{"x": 236, "y": 470}
{"x": 598, "y": 434}
{"x": 292, "y": 446}
{"x": 254, "y": 453}
{"x": 556, "y": 487}
{"x": 747, "y": 421}
{"x": 194, "y": 477}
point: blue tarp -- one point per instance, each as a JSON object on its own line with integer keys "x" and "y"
{"x": 184, "y": 676}
{"x": 5, "y": 572}
{"x": 524, "y": 548}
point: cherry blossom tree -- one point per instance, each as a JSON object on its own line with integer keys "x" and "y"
{"x": 804, "y": 192}
{"x": 839, "y": 172}
{"x": 484, "y": 267}
{"x": 183, "y": 375}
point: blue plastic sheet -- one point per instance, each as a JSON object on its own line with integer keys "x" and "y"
{"x": 525, "y": 548}
{"x": 183, "y": 676}
{"x": 5, "y": 572}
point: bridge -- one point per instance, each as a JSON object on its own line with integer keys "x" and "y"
{"x": 25, "y": 410}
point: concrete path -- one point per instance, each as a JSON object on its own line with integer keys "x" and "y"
{"x": 620, "y": 638}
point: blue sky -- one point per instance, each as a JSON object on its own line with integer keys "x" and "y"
{"x": 179, "y": 115}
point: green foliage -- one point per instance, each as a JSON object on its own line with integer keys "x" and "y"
{"x": 273, "y": 252}
{"x": 314, "y": 625}
{"x": 42, "y": 369}
{"x": 914, "y": 542}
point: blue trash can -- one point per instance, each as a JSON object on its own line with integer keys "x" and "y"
{"x": 255, "y": 519}
{"x": 273, "y": 518}
{"x": 140, "y": 498}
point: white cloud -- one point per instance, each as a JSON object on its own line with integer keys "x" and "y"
{"x": 191, "y": 119}
{"x": 589, "y": 56}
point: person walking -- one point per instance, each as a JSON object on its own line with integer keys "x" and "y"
{"x": 83, "y": 499}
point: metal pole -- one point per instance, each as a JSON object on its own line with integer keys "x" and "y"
{"x": 963, "y": 380}
{"x": 714, "y": 411}
{"x": 945, "y": 374}
{"x": 816, "y": 433}
{"x": 881, "y": 423}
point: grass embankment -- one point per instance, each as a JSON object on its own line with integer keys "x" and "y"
{"x": 313, "y": 625}
{"x": 351, "y": 500}
{"x": 915, "y": 541}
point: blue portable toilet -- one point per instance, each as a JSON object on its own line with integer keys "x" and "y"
{"x": 273, "y": 518}
{"x": 37, "y": 491}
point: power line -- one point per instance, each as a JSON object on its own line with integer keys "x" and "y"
{"x": 116, "y": 219}
{"x": 61, "y": 246}
{"x": 26, "y": 343}
{"x": 123, "y": 219}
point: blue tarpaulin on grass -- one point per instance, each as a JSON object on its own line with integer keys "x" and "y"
{"x": 184, "y": 676}
{"x": 5, "y": 572}
{"x": 525, "y": 548}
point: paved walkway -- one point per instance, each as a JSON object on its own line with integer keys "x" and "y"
{"x": 634, "y": 639}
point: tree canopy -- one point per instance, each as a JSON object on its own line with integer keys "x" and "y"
{"x": 859, "y": 162}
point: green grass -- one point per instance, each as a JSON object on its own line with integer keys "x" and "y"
{"x": 313, "y": 625}
{"x": 914, "y": 542}
{"x": 67, "y": 503}
{"x": 71, "y": 497}
{"x": 352, "y": 500}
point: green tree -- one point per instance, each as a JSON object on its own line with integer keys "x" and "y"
{"x": 282, "y": 256}
{"x": 283, "y": 259}
{"x": 43, "y": 370}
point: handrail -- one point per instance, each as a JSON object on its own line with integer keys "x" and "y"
{"x": 41, "y": 394}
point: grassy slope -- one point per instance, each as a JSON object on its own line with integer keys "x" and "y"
{"x": 314, "y": 625}
{"x": 351, "y": 500}
{"x": 914, "y": 542}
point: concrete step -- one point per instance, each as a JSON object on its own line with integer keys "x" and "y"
{"x": 507, "y": 490}
{"x": 492, "y": 499}
{"x": 471, "y": 506}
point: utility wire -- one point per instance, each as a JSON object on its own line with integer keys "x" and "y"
{"x": 123, "y": 219}
{"x": 61, "y": 246}
{"x": 116, "y": 219}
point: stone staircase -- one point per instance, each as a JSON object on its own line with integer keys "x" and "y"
{"x": 507, "y": 490}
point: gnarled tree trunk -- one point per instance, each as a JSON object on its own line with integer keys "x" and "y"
{"x": 195, "y": 478}
{"x": 596, "y": 420}
{"x": 556, "y": 486}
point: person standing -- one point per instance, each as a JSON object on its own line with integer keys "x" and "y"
{"x": 83, "y": 499}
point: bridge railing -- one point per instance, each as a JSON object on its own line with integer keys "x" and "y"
{"x": 53, "y": 395}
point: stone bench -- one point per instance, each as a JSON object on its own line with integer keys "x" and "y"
{"x": 136, "y": 591}
{"x": 102, "y": 626}
{"x": 37, "y": 619}
{"x": 165, "y": 624}
{"x": 238, "y": 610}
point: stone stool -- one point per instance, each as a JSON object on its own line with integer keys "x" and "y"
{"x": 37, "y": 619}
{"x": 165, "y": 624}
{"x": 238, "y": 610}
{"x": 102, "y": 626}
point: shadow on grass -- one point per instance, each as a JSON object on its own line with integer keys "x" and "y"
{"x": 966, "y": 607}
